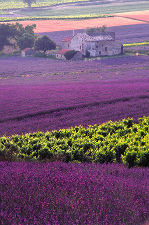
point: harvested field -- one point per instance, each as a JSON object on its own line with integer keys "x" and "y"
{"x": 139, "y": 15}
{"x": 61, "y": 25}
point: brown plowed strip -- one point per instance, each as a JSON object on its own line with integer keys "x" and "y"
{"x": 60, "y": 25}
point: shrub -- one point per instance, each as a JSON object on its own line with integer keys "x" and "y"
{"x": 70, "y": 54}
{"x": 87, "y": 55}
{"x": 128, "y": 122}
{"x": 119, "y": 150}
{"x": 100, "y": 157}
{"x": 144, "y": 158}
{"x": 45, "y": 153}
{"x": 41, "y": 55}
{"x": 131, "y": 158}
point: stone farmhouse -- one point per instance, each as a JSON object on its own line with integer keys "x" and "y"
{"x": 97, "y": 44}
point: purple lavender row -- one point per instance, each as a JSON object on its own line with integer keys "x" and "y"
{"x": 22, "y": 67}
{"x": 19, "y": 100}
{"x": 60, "y": 193}
{"x": 90, "y": 115}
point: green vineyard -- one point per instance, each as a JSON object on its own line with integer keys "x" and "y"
{"x": 120, "y": 142}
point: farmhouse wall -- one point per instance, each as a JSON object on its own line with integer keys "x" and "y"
{"x": 66, "y": 45}
{"x": 76, "y": 43}
{"x": 103, "y": 48}
{"x": 60, "y": 56}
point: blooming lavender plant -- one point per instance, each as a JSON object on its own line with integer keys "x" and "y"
{"x": 34, "y": 107}
{"x": 60, "y": 193}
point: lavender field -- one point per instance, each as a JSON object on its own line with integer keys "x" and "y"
{"x": 61, "y": 193}
{"x": 42, "y": 94}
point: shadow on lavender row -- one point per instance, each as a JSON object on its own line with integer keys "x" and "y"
{"x": 58, "y": 110}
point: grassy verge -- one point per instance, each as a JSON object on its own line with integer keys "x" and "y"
{"x": 136, "y": 44}
{"x": 76, "y": 9}
{"x": 18, "y": 4}
{"x": 140, "y": 48}
{"x": 8, "y": 19}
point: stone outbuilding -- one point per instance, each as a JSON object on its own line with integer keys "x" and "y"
{"x": 60, "y": 54}
{"x": 27, "y": 52}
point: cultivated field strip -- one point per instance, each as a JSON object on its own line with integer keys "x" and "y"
{"x": 61, "y": 25}
{"x": 56, "y": 71}
{"x": 59, "y": 94}
{"x": 140, "y": 15}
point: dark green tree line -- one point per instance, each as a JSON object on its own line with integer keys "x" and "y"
{"x": 24, "y": 37}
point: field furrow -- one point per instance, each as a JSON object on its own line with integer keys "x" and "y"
{"x": 61, "y": 94}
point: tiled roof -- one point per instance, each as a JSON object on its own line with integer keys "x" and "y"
{"x": 63, "y": 51}
{"x": 68, "y": 39}
{"x": 24, "y": 50}
{"x": 87, "y": 37}
{"x": 102, "y": 38}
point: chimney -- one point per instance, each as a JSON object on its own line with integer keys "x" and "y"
{"x": 73, "y": 32}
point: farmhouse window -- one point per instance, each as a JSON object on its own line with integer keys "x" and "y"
{"x": 106, "y": 49}
{"x": 68, "y": 45}
{"x": 99, "y": 53}
{"x": 80, "y": 46}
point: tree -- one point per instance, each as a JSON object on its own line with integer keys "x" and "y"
{"x": 29, "y": 2}
{"x": 26, "y": 41}
{"x": 44, "y": 43}
{"x": 3, "y": 41}
{"x": 24, "y": 36}
{"x": 96, "y": 29}
{"x": 20, "y": 30}
{"x": 6, "y": 33}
